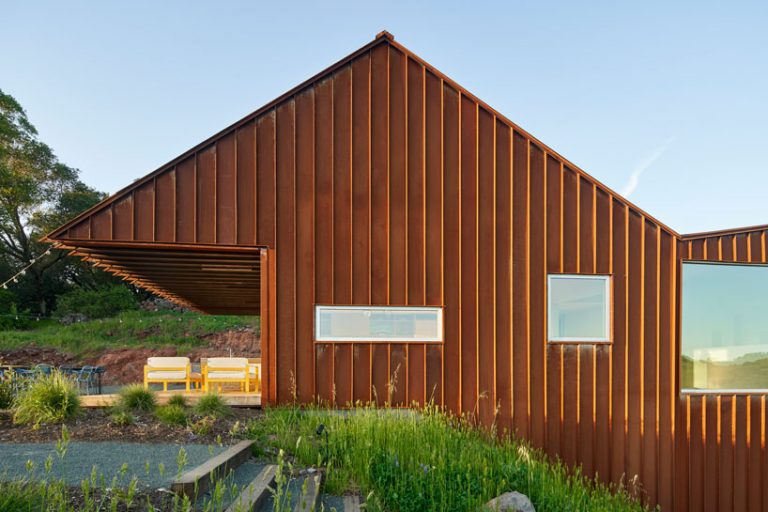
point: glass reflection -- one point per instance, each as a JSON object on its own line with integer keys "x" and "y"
{"x": 724, "y": 327}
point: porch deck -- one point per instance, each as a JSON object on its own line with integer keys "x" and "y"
{"x": 232, "y": 398}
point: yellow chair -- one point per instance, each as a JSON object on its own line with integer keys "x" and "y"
{"x": 254, "y": 368}
{"x": 221, "y": 370}
{"x": 167, "y": 369}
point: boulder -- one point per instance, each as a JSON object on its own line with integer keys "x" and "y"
{"x": 510, "y": 502}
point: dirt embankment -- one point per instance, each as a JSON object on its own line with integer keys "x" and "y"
{"x": 126, "y": 365}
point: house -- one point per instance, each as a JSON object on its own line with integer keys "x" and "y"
{"x": 403, "y": 241}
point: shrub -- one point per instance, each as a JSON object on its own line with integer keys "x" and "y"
{"x": 136, "y": 398}
{"x": 100, "y": 303}
{"x": 121, "y": 418}
{"x": 172, "y": 415}
{"x": 203, "y": 426}
{"x": 179, "y": 400}
{"x": 212, "y": 405}
{"x": 6, "y": 394}
{"x": 48, "y": 399}
{"x": 10, "y": 317}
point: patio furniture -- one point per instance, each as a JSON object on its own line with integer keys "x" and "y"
{"x": 221, "y": 370}
{"x": 87, "y": 378}
{"x": 254, "y": 369}
{"x": 167, "y": 369}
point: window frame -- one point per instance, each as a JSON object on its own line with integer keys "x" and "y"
{"x": 608, "y": 284}
{"x": 367, "y": 339}
{"x": 709, "y": 391}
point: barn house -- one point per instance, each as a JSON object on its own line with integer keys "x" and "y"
{"x": 403, "y": 241}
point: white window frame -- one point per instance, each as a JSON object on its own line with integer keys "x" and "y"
{"x": 367, "y": 339}
{"x": 607, "y": 280}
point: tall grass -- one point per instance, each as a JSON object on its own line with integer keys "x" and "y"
{"x": 426, "y": 460}
{"x": 48, "y": 399}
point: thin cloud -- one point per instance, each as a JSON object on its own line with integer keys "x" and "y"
{"x": 640, "y": 168}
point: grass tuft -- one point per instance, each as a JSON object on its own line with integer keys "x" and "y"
{"x": 6, "y": 394}
{"x": 121, "y": 418}
{"x": 179, "y": 400}
{"x": 48, "y": 399}
{"x": 135, "y": 398}
{"x": 172, "y": 415}
{"x": 212, "y": 405}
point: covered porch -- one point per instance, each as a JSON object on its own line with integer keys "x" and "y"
{"x": 208, "y": 278}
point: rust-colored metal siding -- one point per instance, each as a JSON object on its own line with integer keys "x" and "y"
{"x": 722, "y": 461}
{"x": 382, "y": 182}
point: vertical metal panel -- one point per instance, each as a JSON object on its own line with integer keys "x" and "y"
{"x": 285, "y": 247}
{"x": 468, "y": 247}
{"x": 206, "y": 196}
{"x": 185, "y": 201}
{"x": 305, "y": 249}
{"x": 165, "y": 207}
{"x": 246, "y": 185}
{"x": 486, "y": 268}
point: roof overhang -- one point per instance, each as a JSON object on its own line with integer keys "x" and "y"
{"x": 213, "y": 279}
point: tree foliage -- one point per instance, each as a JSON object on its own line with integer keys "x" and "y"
{"x": 37, "y": 193}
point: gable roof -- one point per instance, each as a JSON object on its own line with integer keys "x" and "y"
{"x": 383, "y": 38}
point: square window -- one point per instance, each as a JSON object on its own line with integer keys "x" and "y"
{"x": 579, "y": 308}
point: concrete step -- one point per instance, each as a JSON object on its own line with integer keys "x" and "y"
{"x": 308, "y": 501}
{"x": 255, "y": 493}
{"x": 197, "y": 480}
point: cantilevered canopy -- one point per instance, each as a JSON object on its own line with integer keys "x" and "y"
{"x": 209, "y": 278}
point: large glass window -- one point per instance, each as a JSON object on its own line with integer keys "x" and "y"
{"x": 724, "y": 327}
{"x": 579, "y": 308}
{"x": 378, "y": 323}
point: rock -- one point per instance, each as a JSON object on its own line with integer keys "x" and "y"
{"x": 510, "y": 502}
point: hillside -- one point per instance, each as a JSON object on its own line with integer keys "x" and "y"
{"x": 121, "y": 344}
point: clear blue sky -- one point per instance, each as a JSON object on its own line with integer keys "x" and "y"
{"x": 674, "y": 93}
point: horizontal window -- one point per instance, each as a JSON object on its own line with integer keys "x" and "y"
{"x": 724, "y": 339}
{"x": 579, "y": 308}
{"x": 378, "y": 323}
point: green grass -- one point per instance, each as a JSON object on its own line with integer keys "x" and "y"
{"x": 129, "y": 329}
{"x": 212, "y": 405}
{"x": 121, "y": 417}
{"x": 48, "y": 399}
{"x": 174, "y": 415}
{"x": 135, "y": 398}
{"x": 179, "y": 400}
{"x": 412, "y": 461}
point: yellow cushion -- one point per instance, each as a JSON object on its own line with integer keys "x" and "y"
{"x": 226, "y": 375}
{"x": 163, "y": 375}
{"x": 168, "y": 362}
{"x": 227, "y": 362}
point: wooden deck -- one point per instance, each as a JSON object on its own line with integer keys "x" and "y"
{"x": 232, "y": 398}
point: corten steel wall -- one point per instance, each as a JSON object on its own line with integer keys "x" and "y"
{"x": 382, "y": 182}
{"x": 723, "y": 460}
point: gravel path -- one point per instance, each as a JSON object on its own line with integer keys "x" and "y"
{"x": 108, "y": 458}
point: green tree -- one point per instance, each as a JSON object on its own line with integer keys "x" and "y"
{"x": 37, "y": 193}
